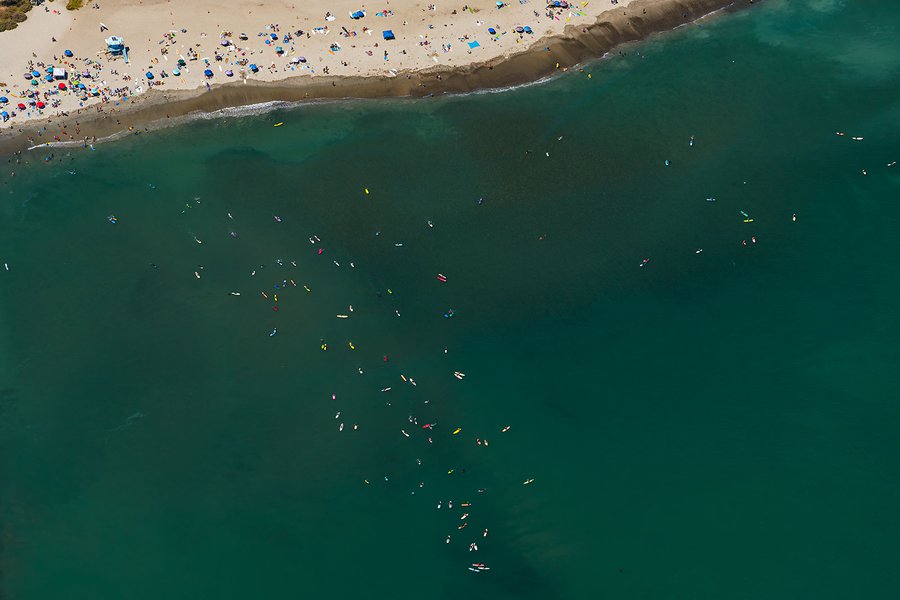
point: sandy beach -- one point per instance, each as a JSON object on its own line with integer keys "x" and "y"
{"x": 184, "y": 57}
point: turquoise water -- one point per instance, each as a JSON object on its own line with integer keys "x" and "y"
{"x": 712, "y": 425}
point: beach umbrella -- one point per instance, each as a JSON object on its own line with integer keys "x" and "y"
{"x": 81, "y": 86}
{"x": 520, "y": 29}
{"x": 181, "y": 62}
{"x": 62, "y": 86}
{"x": 29, "y": 76}
{"x": 149, "y": 75}
{"x": 40, "y": 105}
{"x": 387, "y": 34}
{"x": 3, "y": 99}
{"x": 208, "y": 73}
{"x": 68, "y": 53}
{"x": 274, "y": 36}
{"x": 176, "y": 72}
{"x": 254, "y": 68}
{"x": 47, "y": 78}
{"x": 37, "y": 73}
{"x": 528, "y": 29}
{"x": 229, "y": 73}
{"x": 225, "y": 42}
{"x": 5, "y": 115}
{"x": 21, "y": 106}
{"x": 492, "y": 31}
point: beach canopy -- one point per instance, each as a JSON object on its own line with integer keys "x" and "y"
{"x": 68, "y": 53}
{"x": 149, "y": 75}
{"x": 208, "y": 73}
{"x": 59, "y": 73}
{"x": 388, "y": 34}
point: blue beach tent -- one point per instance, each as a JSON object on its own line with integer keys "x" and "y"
{"x": 357, "y": 15}
{"x": 388, "y": 34}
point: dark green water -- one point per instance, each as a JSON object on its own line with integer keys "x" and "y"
{"x": 714, "y": 425}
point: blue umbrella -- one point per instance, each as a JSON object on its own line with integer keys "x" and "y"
{"x": 273, "y": 36}
{"x": 149, "y": 75}
{"x": 68, "y": 53}
{"x": 254, "y": 68}
{"x": 49, "y": 78}
{"x": 176, "y": 72}
{"x": 208, "y": 73}
{"x": 37, "y": 73}
{"x": 4, "y": 100}
{"x": 492, "y": 31}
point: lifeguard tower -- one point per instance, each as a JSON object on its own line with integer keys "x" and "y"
{"x": 116, "y": 47}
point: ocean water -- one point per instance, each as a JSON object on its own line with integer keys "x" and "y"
{"x": 721, "y": 424}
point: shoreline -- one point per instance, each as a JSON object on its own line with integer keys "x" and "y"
{"x": 546, "y": 56}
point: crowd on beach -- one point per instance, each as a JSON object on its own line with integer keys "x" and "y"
{"x": 181, "y": 56}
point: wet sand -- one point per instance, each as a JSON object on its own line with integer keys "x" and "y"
{"x": 158, "y": 108}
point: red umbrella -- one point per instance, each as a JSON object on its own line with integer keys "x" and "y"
{"x": 21, "y": 106}
{"x": 40, "y": 105}
{"x": 62, "y": 86}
